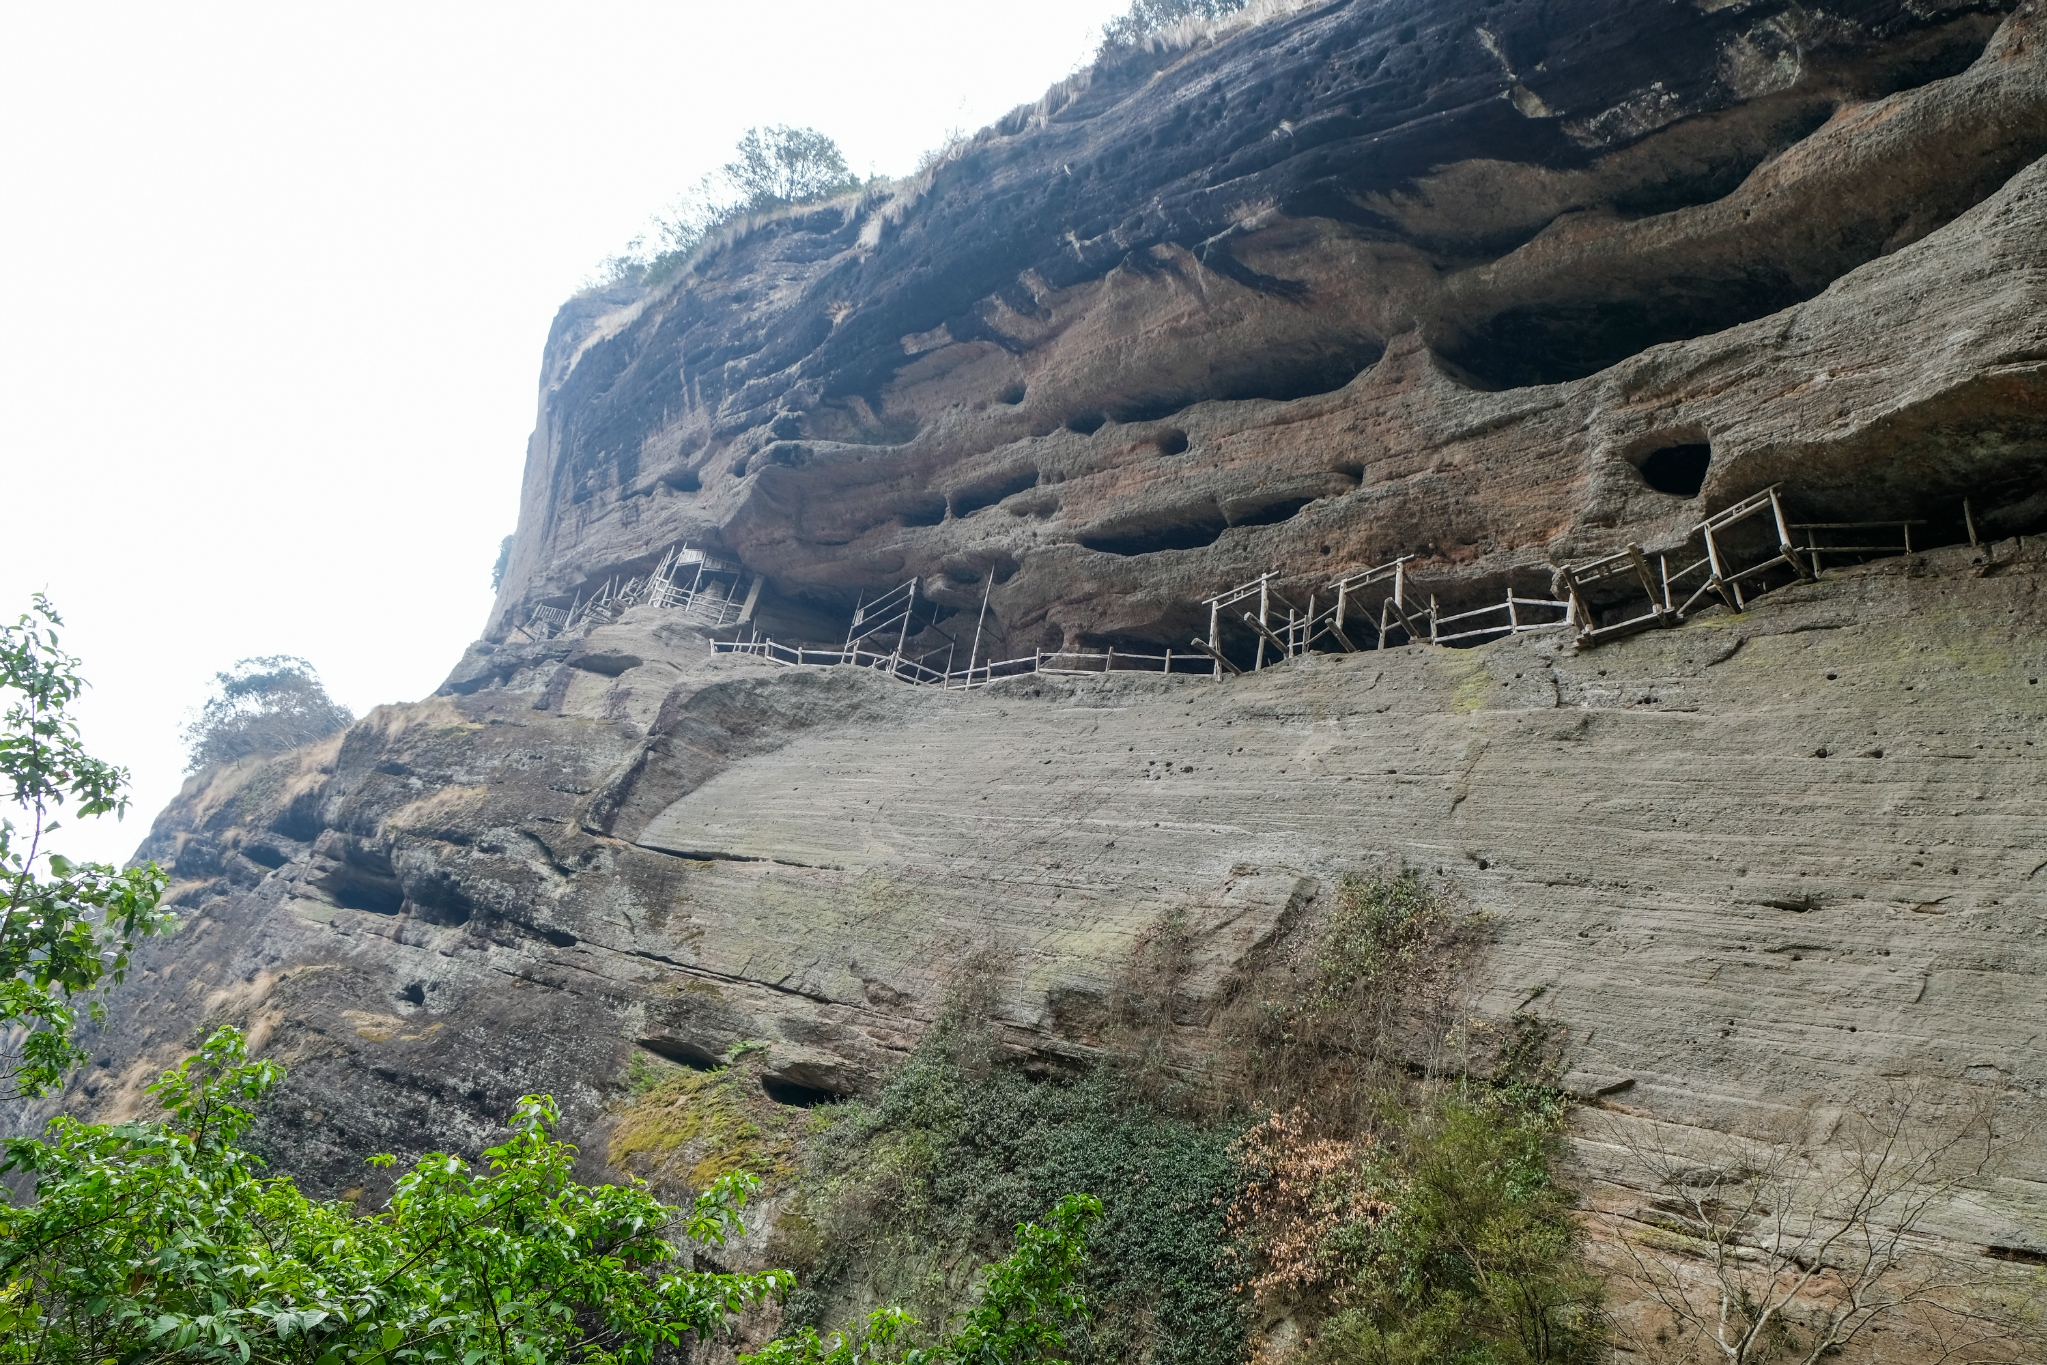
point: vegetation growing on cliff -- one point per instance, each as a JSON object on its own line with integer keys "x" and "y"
{"x": 904, "y": 1193}
{"x": 1146, "y": 18}
{"x": 156, "y": 1241}
{"x": 270, "y": 704}
{"x": 65, "y": 927}
{"x": 772, "y": 168}
{"x": 1027, "y": 1305}
{"x": 1299, "y": 1179}
{"x": 688, "y": 1127}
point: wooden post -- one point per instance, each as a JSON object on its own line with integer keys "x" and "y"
{"x": 1169, "y": 660}
{"x": 1728, "y": 593}
{"x": 903, "y": 635}
{"x": 1784, "y": 534}
{"x": 1215, "y": 644}
{"x": 1513, "y": 617}
{"x": 972, "y": 653}
{"x": 1648, "y": 585}
{"x": 1264, "y": 610}
{"x": 1109, "y": 659}
{"x": 1220, "y": 662}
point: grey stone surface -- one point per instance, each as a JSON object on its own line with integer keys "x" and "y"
{"x": 1761, "y": 865}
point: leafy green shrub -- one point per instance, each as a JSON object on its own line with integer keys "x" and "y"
{"x": 65, "y": 927}
{"x": 270, "y": 704}
{"x": 159, "y": 1241}
{"x": 784, "y": 165}
{"x": 905, "y": 1191}
{"x": 1469, "y": 1252}
{"x": 504, "y": 561}
{"x": 1028, "y": 1303}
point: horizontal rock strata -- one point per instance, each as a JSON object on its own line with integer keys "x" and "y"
{"x": 1760, "y": 865}
{"x": 1363, "y": 282}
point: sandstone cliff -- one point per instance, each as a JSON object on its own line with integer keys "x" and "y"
{"x": 1361, "y": 282}
{"x": 1358, "y": 282}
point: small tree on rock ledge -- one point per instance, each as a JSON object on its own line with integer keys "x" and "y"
{"x": 265, "y": 705}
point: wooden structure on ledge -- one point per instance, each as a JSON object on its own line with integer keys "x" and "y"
{"x": 1718, "y": 569}
{"x": 1328, "y": 619}
{"x": 702, "y": 588}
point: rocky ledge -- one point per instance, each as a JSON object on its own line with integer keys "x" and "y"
{"x": 1495, "y": 286}
{"x": 1763, "y": 865}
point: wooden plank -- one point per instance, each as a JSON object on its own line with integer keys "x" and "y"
{"x": 1215, "y": 654}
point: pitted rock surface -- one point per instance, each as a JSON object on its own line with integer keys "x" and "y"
{"x": 1765, "y": 864}
{"x": 1362, "y": 282}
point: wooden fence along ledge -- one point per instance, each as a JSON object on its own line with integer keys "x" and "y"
{"x": 1721, "y": 560}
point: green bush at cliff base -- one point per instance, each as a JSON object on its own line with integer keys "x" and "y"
{"x": 160, "y": 1241}
{"x": 1471, "y": 1255}
{"x": 905, "y": 1192}
{"x": 1029, "y": 1302}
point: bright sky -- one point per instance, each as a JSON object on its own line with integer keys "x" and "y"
{"x": 276, "y": 278}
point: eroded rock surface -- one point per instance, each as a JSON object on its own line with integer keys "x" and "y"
{"x": 1360, "y": 282}
{"x": 1365, "y": 281}
{"x": 1761, "y": 865}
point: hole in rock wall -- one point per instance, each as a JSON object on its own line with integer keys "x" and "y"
{"x": 265, "y": 855}
{"x": 1571, "y": 339}
{"x": 1011, "y": 396}
{"x": 1087, "y": 423}
{"x": 415, "y": 994}
{"x": 796, "y": 1094}
{"x": 1171, "y": 442}
{"x": 924, "y": 512}
{"x": 682, "y": 1052}
{"x": 683, "y": 480}
{"x": 1272, "y": 513}
{"x": 968, "y": 501}
{"x": 436, "y": 900}
{"x": 559, "y": 938}
{"x": 1275, "y": 374}
{"x": 375, "y": 896}
{"x": 1677, "y": 470}
{"x": 1190, "y": 533}
{"x": 300, "y": 820}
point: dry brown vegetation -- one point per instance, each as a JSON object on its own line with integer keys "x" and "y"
{"x": 1757, "y": 1249}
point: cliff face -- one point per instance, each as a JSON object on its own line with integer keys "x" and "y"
{"x": 1364, "y": 281}
{"x": 1765, "y": 864}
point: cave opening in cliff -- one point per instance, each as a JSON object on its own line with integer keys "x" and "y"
{"x": 375, "y": 896}
{"x": 1678, "y": 470}
{"x": 1571, "y": 339}
{"x": 1189, "y": 532}
{"x": 967, "y": 501}
{"x": 682, "y": 1052}
{"x": 796, "y": 1095}
{"x": 1271, "y": 513}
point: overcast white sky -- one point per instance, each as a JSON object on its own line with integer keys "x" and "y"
{"x": 275, "y": 279}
